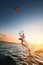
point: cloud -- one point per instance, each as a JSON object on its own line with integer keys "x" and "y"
{"x": 7, "y": 38}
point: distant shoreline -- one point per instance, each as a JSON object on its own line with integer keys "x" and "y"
{"x": 9, "y": 42}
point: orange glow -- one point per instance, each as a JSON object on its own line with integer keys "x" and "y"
{"x": 9, "y": 38}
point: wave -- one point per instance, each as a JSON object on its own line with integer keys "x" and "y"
{"x": 15, "y": 54}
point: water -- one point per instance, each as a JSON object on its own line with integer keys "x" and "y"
{"x": 16, "y": 54}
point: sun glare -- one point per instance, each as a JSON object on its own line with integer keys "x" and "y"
{"x": 36, "y": 39}
{"x": 39, "y": 40}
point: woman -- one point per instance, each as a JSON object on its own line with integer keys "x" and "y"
{"x": 22, "y": 38}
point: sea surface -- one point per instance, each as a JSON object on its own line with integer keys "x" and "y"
{"x": 16, "y": 54}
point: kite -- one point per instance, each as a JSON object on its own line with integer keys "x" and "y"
{"x": 17, "y": 8}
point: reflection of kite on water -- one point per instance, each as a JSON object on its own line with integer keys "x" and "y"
{"x": 22, "y": 38}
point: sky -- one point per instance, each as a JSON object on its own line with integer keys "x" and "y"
{"x": 29, "y": 18}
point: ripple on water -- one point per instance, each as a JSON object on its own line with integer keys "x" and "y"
{"x": 19, "y": 54}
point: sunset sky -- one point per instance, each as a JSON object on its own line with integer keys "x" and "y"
{"x": 29, "y": 18}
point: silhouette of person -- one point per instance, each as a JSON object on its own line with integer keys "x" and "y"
{"x": 22, "y": 38}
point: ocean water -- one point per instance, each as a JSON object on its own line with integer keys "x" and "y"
{"x": 16, "y": 54}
